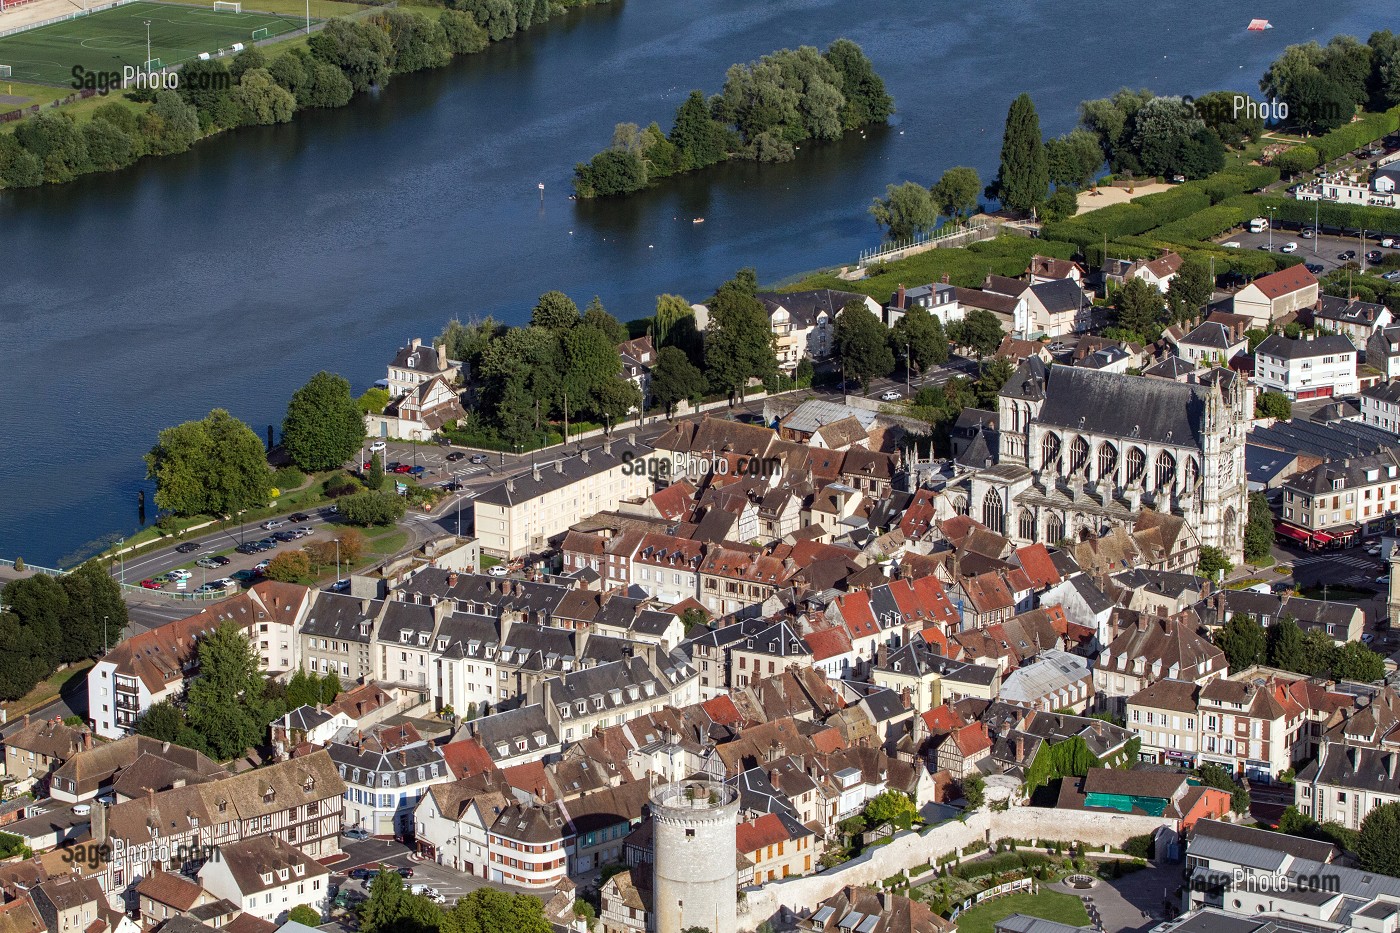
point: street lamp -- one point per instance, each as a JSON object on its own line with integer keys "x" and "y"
{"x": 1363, "y": 249}
{"x": 148, "y": 46}
{"x": 1271, "y": 228}
{"x": 104, "y": 634}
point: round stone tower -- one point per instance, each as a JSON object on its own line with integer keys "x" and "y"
{"x": 695, "y": 881}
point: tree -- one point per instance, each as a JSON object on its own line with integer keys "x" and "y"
{"x": 891, "y": 806}
{"x": 1317, "y": 104}
{"x": 390, "y": 908}
{"x": 1285, "y": 645}
{"x": 905, "y": 211}
{"x": 289, "y": 567}
{"x": 699, "y": 139}
{"x": 955, "y": 192}
{"x": 54, "y": 138}
{"x": 591, "y": 365}
{"x": 1074, "y": 159}
{"x": 866, "y": 99}
{"x": 1212, "y": 560}
{"x": 1061, "y": 205}
{"x": 595, "y": 315}
{"x": 226, "y": 703}
{"x": 1354, "y": 661}
{"x": 216, "y": 466}
{"x": 163, "y": 721}
{"x": 372, "y": 508}
{"x": 330, "y": 687}
{"x": 1234, "y": 126}
{"x": 207, "y": 87}
{"x": 1215, "y": 776}
{"x": 739, "y": 338}
{"x": 674, "y": 378}
{"x": 555, "y": 311}
{"x": 1283, "y": 72}
{"x": 464, "y": 35}
{"x": 1166, "y": 142}
{"x": 323, "y": 427}
{"x": 96, "y": 612}
{"x": 171, "y": 125}
{"x": 974, "y": 790}
{"x": 1385, "y": 69}
{"x": 352, "y": 545}
{"x": 1378, "y": 845}
{"x": 303, "y": 689}
{"x": 1259, "y": 529}
{"x": 259, "y": 101}
{"x": 374, "y": 477}
{"x": 305, "y": 915}
{"x": 862, "y": 343}
{"x": 488, "y": 910}
{"x": 612, "y": 171}
{"x": 1243, "y": 641}
{"x": 1023, "y": 180}
{"x": 108, "y": 148}
{"x": 361, "y": 50}
{"x": 919, "y": 335}
{"x": 670, "y": 311}
{"x": 1273, "y": 405}
{"x": 1138, "y": 308}
{"x": 991, "y": 380}
{"x": 1297, "y": 160}
{"x": 1190, "y": 290}
{"x": 979, "y": 329}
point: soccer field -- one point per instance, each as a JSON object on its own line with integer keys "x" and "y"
{"x": 105, "y": 41}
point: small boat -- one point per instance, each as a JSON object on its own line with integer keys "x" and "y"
{"x": 698, "y": 220}
{"x": 1259, "y": 25}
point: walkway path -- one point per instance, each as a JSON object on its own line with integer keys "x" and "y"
{"x": 1133, "y": 903}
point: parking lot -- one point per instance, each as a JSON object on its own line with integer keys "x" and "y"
{"x": 434, "y": 460}
{"x": 227, "y": 547}
{"x": 1321, "y": 251}
{"x": 449, "y": 883}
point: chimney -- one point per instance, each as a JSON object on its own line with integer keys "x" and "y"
{"x": 1390, "y": 765}
{"x": 944, "y": 280}
{"x": 1020, "y": 747}
{"x": 164, "y": 747}
{"x": 452, "y": 579}
{"x": 906, "y": 697}
{"x": 583, "y": 455}
{"x": 536, "y": 473}
{"x": 442, "y": 356}
{"x": 403, "y": 758}
{"x": 559, "y": 466}
{"x": 151, "y": 797}
{"x": 26, "y": 719}
{"x": 87, "y": 741}
{"x": 899, "y": 301}
{"x": 773, "y": 777}
{"x": 99, "y": 823}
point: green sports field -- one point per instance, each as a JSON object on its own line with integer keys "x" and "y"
{"x": 105, "y": 41}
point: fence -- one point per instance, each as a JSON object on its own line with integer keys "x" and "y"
{"x": 64, "y": 18}
{"x": 901, "y": 248}
{"x": 47, "y": 571}
{"x": 175, "y": 594}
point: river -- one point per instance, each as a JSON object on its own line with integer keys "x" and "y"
{"x": 225, "y": 277}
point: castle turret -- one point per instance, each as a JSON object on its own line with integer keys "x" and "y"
{"x": 696, "y": 880}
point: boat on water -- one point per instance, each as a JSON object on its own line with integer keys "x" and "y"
{"x": 698, "y": 220}
{"x": 1259, "y": 25}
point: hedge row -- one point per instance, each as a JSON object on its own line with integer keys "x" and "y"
{"x": 1209, "y": 223}
{"x": 1374, "y": 219}
{"x": 997, "y": 864}
{"x": 1355, "y": 135}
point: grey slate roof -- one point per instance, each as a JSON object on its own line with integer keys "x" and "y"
{"x": 1173, "y": 367}
{"x": 1060, "y": 296}
{"x": 1349, "y": 311}
{"x": 1388, "y": 392}
{"x": 1023, "y": 923}
{"x": 1337, "y": 440}
{"x": 562, "y": 473}
{"x": 1209, "y": 334}
{"x": 1279, "y": 346}
{"x": 803, "y": 307}
{"x": 1128, "y": 406}
{"x": 504, "y": 729}
{"x": 339, "y": 617}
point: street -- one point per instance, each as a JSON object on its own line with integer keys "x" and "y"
{"x": 1320, "y": 251}
{"x": 956, "y": 366}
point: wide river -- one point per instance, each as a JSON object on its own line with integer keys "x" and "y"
{"x": 227, "y": 276}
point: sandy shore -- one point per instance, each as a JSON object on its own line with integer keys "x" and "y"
{"x": 1107, "y": 195}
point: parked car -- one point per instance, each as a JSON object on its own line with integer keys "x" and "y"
{"x": 151, "y": 584}
{"x": 418, "y": 470}
{"x": 225, "y": 583}
{"x": 1313, "y": 267}
{"x": 1289, "y": 247}
{"x": 210, "y": 588}
{"x": 330, "y": 510}
{"x": 273, "y": 523}
{"x": 303, "y": 531}
{"x": 1347, "y": 255}
{"x": 403, "y": 468}
{"x": 498, "y": 570}
{"x": 189, "y": 547}
{"x": 261, "y": 566}
{"x": 1367, "y": 638}
{"x": 245, "y": 576}
{"x": 285, "y": 536}
{"x": 360, "y": 874}
{"x": 267, "y": 544}
{"x": 1266, "y": 247}
{"x": 1232, "y": 244}
{"x": 1307, "y": 233}
{"x": 478, "y": 458}
{"x": 1392, "y": 276}
{"x": 356, "y": 834}
{"x": 339, "y": 586}
{"x": 179, "y": 574}
{"x": 206, "y": 562}
{"x": 221, "y": 560}
{"x": 1375, "y": 255}
{"x": 247, "y": 547}
{"x": 377, "y": 446}
{"x": 455, "y": 456}
{"x": 890, "y": 396}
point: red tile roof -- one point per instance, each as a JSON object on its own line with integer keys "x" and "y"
{"x": 466, "y": 758}
{"x": 722, "y": 711}
{"x": 767, "y": 830}
{"x": 941, "y": 719}
{"x": 1035, "y": 561}
{"x": 972, "y": 739}
{"x": 828, "y": 643}
{"x": 531, "y": 779}
{"x": 1285, "y": 281}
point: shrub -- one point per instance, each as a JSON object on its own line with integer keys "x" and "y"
{"x": 342, "y": 484}
{"x": 1139, "y": 846}
{"x": 288, "y": 477}
{"x": 1354, "y": 135}
{"x": 289, "y": 566}
{"x": 372, "y": 508}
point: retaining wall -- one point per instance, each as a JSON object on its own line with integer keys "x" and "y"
{"x": 911, "y": 849}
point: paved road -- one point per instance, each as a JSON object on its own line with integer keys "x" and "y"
{"x": 1322, "y": 251}
{"x": 956, "y": 366}
{"x": 449, "y": 883}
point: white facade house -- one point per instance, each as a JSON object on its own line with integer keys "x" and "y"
{"x": 522, "y": 514}
{"x": 1270, "y": 297}
{"x": 667, "y": 568}
{"x": 266, "y": 877}
{"x": 453, "y": 821}
{"x": 804, "y": 323}
{"x": 1380, "y": 406}
{"x": 1310, "y": 367}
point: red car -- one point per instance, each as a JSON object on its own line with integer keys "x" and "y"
{"x": 150, "y": 584}
{"x": 403, "y": 468}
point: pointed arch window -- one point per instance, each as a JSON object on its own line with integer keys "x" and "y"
{"x": 993, "y": 511}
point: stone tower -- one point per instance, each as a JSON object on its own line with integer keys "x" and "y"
{"x": 695, "y": 881}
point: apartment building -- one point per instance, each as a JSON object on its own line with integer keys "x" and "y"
{"x": 804, "y": 323}
{"x": 267, "y": 878}
{"x": 525, "y": 846}
{"x": 667, "y": 568}
{"x": 1309, "y": 367}
{"x": 1347, "y": 782}
{"x": 337, "y": 636}
{"x": 454, "y": 821}
{"x": 38, "y": 748}
{"x": 1271, "y": 297}
{"x": 1341, "y": 496}
{"x": 937, "y": 298}
{"x": 1257, "y": 729}
{"x": 736, "y": 579}
{"x": 1163, "y": 715}
{"x": 1353, "y": 318}
{"x": 611, "y": 694}
{"x": 416, "y": 364}
{"x": 525, "y": 513}
{"x": 152, "y": 666}
{"x": 1153, "y": 648}
{"x": 1380, "y": 405}
{"x": 384, "y": 780}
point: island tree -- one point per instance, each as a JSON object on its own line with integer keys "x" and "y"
{"x": 323, "y": 427}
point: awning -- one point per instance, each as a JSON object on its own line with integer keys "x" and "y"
{"x": 1322, "y": 537}
{"x": 1288, "y": 531}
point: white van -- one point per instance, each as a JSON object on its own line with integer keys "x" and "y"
{"x": 1258, "y": 225}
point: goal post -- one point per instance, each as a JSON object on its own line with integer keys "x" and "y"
{"x": 5, "y": 71}
{"x": 227, "y": 6}
{"x": 262, "y": 33}
{"x": 154, "y": 65}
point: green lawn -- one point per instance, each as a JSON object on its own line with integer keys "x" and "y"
{"x": 45, "y": 690}
{"x": 1048, "y": 905}
{"x": 106, "y": 42}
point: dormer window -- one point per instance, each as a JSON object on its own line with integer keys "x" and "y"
{"x": 442, "y": 644}
{"x": 267, "y": 877}
{"x": 405, "y": 637}
{"x": 282, "y": 874}
{"x": 581, "y": 706}
{"x": 563, "y": 711}
{"x": 298, "y": 870}
{"x": 268, "y": 795}
{"x": 309, "y": 785}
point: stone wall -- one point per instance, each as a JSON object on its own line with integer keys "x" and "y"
{"x": 912, "y": 849}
